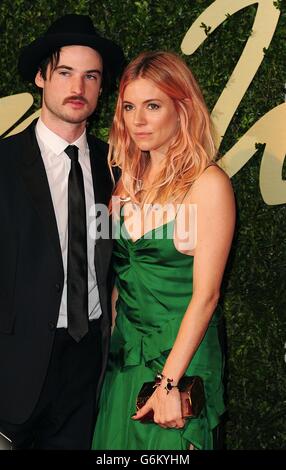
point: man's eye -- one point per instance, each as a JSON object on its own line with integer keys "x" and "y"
{"x": 64, "y": 73}
{"x": 91, "y": 77}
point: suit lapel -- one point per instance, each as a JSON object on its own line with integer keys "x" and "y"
{"x": 100, "y": 174}
{"x": 35, "y": 178}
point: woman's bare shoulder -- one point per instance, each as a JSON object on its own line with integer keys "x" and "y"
{"x": 213, "y": 183}
{"x": 212, "y": 178}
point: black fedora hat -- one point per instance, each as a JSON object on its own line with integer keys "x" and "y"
{"x": 70, "y": 30}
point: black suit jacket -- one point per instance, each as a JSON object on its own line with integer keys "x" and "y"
{"x": 31, "y": 270}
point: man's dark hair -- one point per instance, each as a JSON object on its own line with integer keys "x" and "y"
{"x": 52, "y": 59}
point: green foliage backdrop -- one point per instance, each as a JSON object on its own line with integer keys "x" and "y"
{"x": 254, "y": 290}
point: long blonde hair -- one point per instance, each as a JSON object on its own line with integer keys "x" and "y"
{"x": 192, "y": 148}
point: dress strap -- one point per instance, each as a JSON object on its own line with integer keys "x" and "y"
{"x": 190, "y": 187}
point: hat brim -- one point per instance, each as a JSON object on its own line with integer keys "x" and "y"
{"x": 31, "y": 56}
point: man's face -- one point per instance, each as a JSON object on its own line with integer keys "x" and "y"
{"x": 70, "y": 92}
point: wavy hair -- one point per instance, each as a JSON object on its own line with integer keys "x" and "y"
{"x": 192, "y": 147}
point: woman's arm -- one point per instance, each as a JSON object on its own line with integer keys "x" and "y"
{"x": 214, "y": 197}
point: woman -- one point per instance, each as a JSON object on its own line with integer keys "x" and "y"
{"x": 176, "y": 225}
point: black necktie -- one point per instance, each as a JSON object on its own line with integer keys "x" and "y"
{"x": 77, "y": 288}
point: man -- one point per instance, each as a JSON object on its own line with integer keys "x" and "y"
{"x": 54, "y": 276}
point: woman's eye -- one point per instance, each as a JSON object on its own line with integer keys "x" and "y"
{"x": 128, "y": 107}
{"x": 153, "y": 106}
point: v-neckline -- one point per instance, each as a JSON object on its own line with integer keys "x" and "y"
{"x": 128, "y": 236}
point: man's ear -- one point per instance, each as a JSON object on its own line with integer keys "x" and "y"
{"x": 39, "y": 81}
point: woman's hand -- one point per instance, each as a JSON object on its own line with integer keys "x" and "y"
{"x": 166, "y": 407}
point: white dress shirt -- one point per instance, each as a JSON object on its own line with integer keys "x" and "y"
{"x": 57, "y": 165}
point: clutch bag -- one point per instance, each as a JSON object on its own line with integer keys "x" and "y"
{"x": 191, "y": 392}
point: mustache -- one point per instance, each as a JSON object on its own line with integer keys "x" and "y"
{"x": 75, "y": 98}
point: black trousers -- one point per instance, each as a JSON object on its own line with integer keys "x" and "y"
{"x": 64, "y": 416}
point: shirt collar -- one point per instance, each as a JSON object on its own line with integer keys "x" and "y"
{"x": 56, "y": 143}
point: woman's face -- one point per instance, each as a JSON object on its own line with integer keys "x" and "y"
{"x": 150, "y": 116}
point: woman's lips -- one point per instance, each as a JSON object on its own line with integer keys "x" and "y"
{"x": 142, "y": 135}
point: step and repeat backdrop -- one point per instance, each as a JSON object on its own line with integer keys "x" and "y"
{"x": 236, "y": 50}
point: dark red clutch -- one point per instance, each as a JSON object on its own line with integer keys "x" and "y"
{"x": 191, "y": 392}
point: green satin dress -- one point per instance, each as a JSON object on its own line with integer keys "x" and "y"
{"x": 154, "y": 281}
